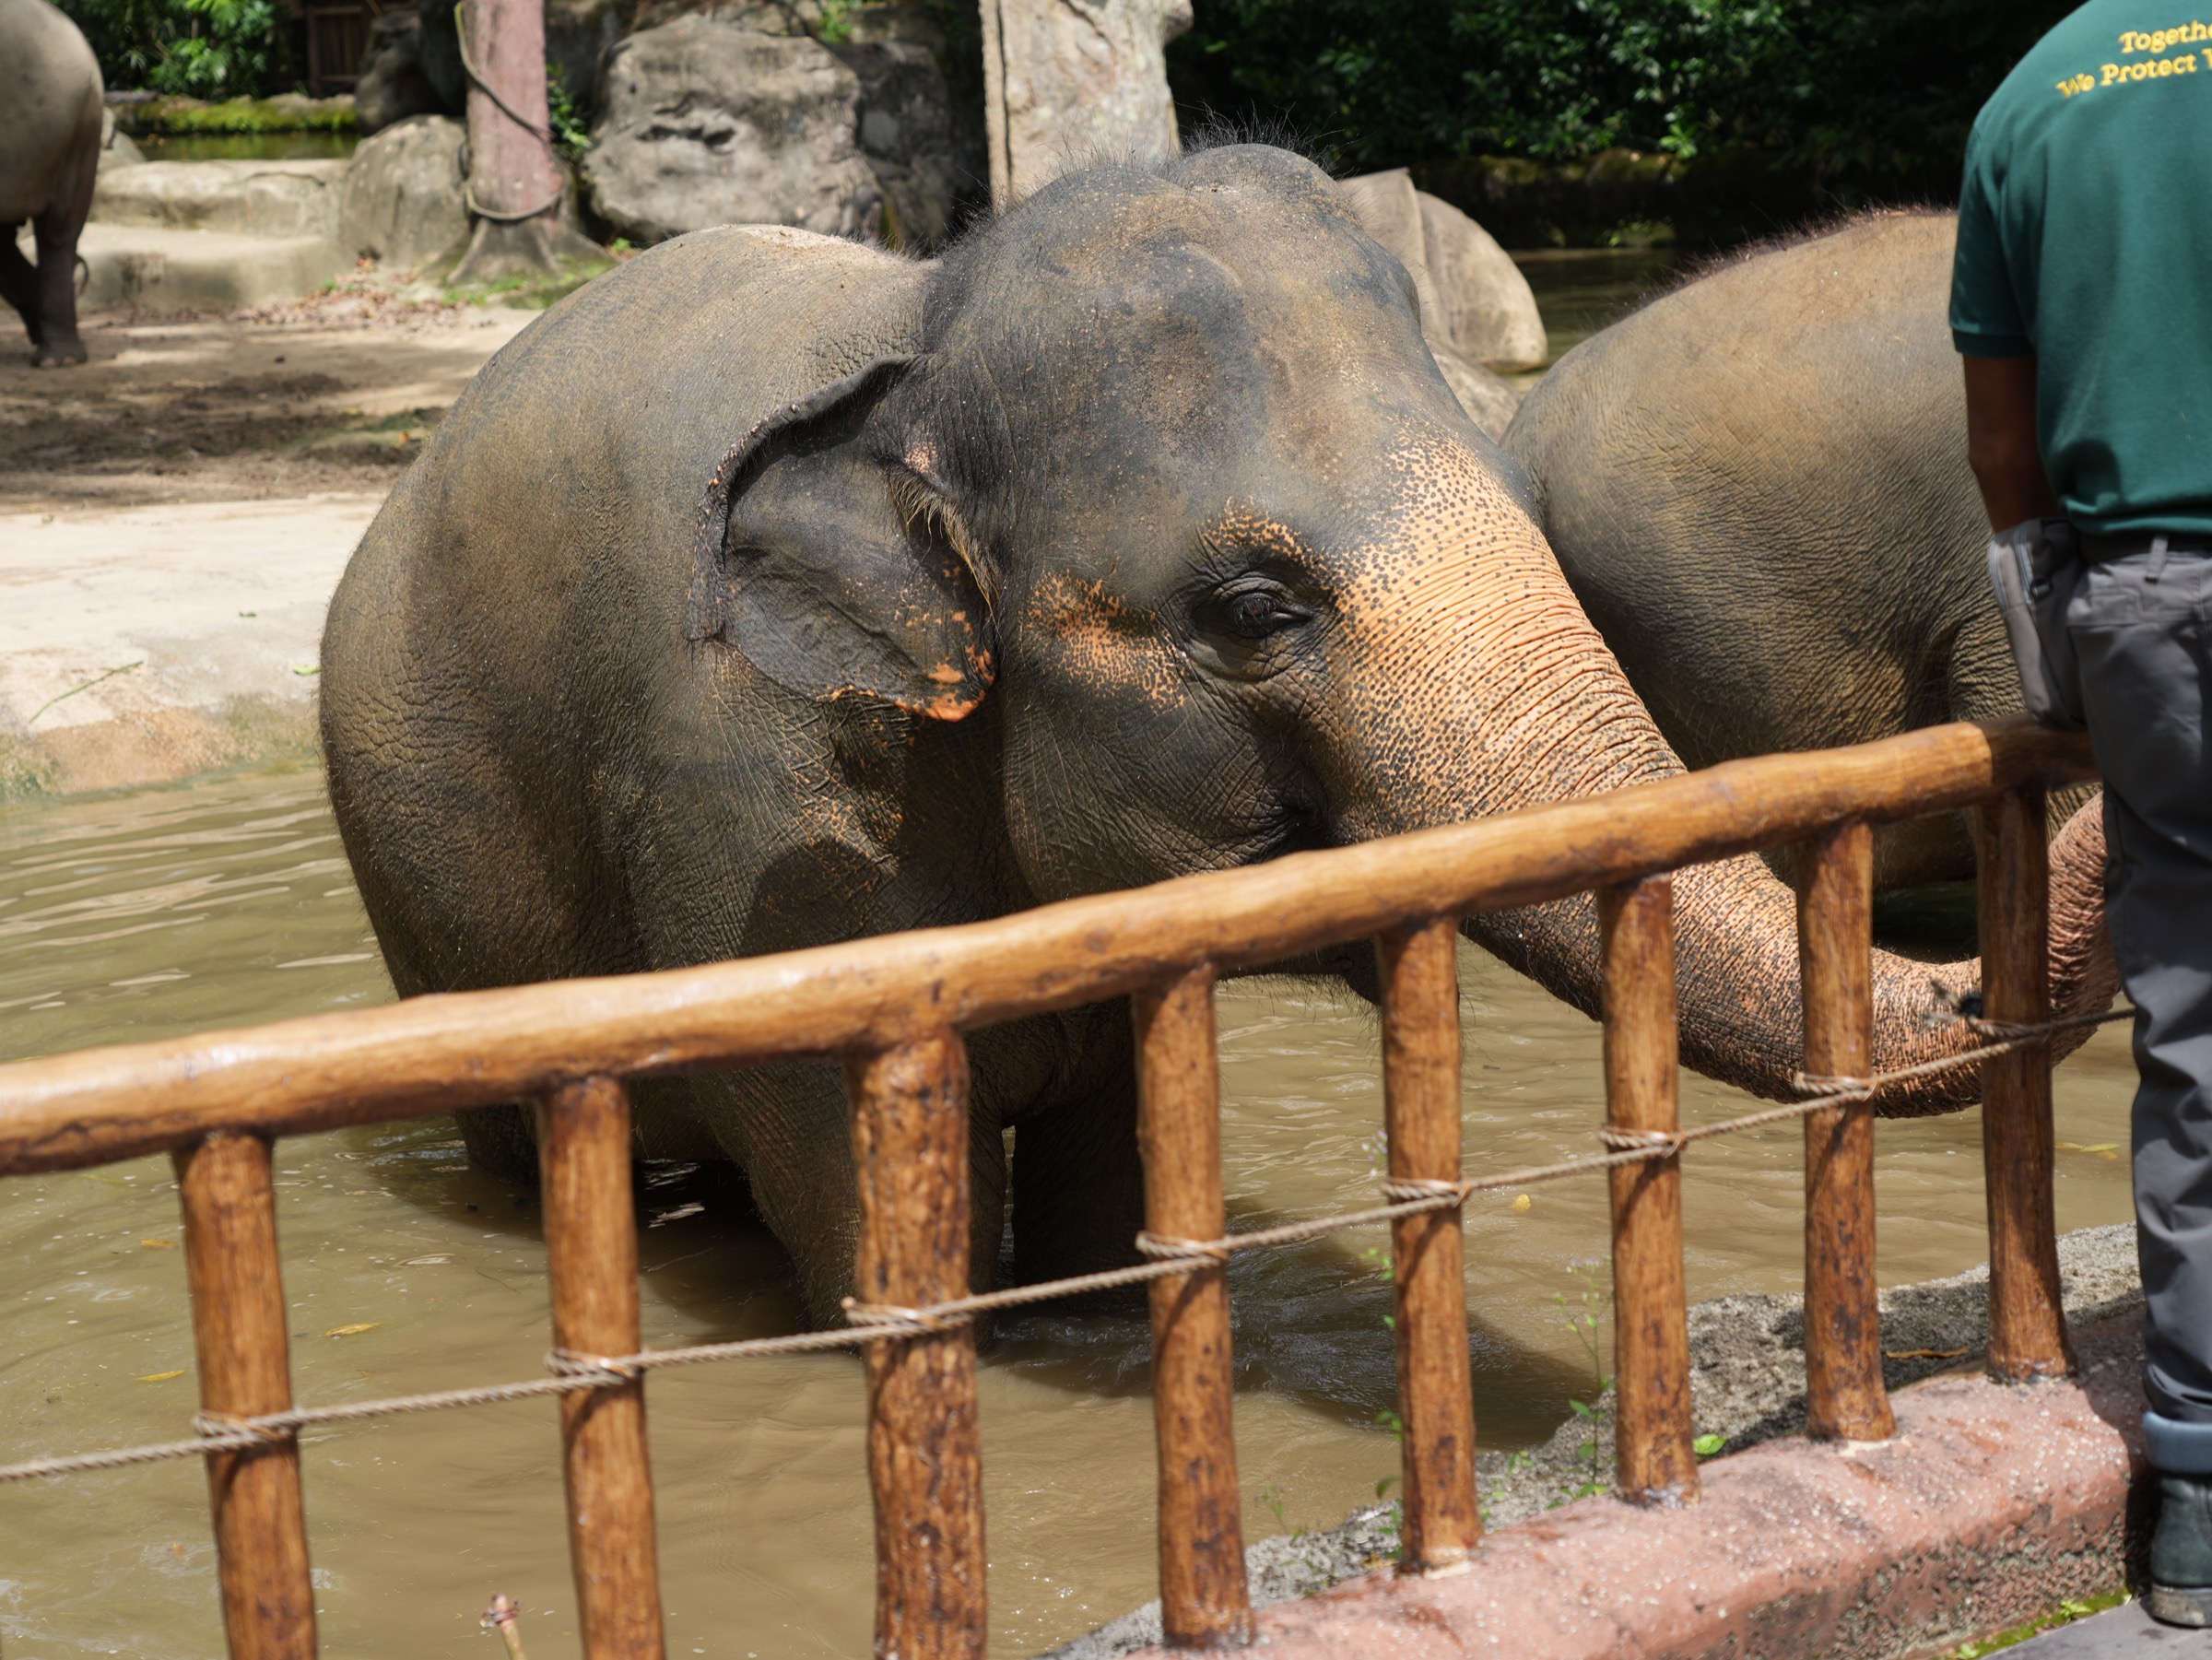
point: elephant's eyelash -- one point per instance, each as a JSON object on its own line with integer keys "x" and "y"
{"x": 919, "y": 504}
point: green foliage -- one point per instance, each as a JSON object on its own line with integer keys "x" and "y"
{"x": 2065, "y": 1613}
{"x": 572, "y": 132}
{"x": 285, "y": 112}
{"x": 217, "y": 49}
{"x": 1708, "y": 1446}
{"x": 1858, "y": 88}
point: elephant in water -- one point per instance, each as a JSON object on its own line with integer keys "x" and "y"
{"x": 773, "y": 590}
{"x": 1758, "y": 488}
{"x": 51, "y": 99}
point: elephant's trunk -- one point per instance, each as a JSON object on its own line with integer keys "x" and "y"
{"x": 1481, "y": 687}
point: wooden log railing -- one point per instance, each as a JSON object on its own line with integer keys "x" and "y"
{"x": 894, "y": 1008}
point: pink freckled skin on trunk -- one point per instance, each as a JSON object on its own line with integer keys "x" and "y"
{"x": 1471, "y": 683}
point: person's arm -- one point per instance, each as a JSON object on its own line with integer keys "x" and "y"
{"x": 2001, "y": 444}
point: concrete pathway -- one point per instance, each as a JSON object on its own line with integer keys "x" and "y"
{"x": 2117, "y": 1633}
{"x": 154, "y": 643}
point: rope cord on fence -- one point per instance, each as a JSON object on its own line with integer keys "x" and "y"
{"x": 871, "y": 1323}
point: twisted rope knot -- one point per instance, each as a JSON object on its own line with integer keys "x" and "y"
{"x": 223, "y": 1426}
{"x": 1830, "y": 1087}
{"x": 932, "y": 1319}
{"x": 1197, "y": 1252}
{"x": 1666, "y": 1143}
{"x": 1412, "y": 1190}
{"x": 609, "y": 1368}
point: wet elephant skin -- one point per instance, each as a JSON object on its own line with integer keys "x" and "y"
{"x": 774, "y": 590}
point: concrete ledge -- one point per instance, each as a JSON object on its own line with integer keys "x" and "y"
{"x": 242, "y": 198}
{"x": 199, "y": 270}
{"x": 150, "y": 643}
{"x": 1992, "y": 1504}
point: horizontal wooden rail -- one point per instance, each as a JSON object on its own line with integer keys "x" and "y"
{"x": 436, "y": 1053}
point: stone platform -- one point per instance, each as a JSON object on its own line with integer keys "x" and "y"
{"x": 1992, "y": 1504}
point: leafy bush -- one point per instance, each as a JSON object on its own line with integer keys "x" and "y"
{"x": 1862, "y": 89}
{"x": 214, "y": 49}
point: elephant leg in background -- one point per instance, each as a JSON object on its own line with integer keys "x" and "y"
{"x": 1079, "y": 1178}
{"x": 56, "y": 231}
{"x": 789, "y": 1128}
{"x": 19, "y": 283}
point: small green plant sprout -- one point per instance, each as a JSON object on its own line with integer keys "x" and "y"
{"x": 1707, "y": 1446}
{"x": 1389, "y": 1419}
{"x": 1584, "y": 1318}
{"x": 1383, "y": 1487}
{"x": 1272, "y": 1498}
{"x": 837, "y": 22}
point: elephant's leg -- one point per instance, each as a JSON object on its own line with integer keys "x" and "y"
{"x": 20, "y": 282}
{"x": 789, "y": 1129}
{"x": 1079, "y": 1181}
{"x": 56, "y": 231}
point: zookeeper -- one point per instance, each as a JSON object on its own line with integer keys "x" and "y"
{"x": 2081, "y": 301}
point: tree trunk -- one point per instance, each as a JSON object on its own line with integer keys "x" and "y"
{"x": 1067, "y": 82}
{"x": 514, "y": 183}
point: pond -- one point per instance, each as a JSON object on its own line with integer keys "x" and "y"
{"x": 153, "y": 913}
{"x": 247, "y": 147}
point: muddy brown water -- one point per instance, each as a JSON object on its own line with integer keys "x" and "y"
{"x": 154, "y": 912}
{"x": 157, "y": 912}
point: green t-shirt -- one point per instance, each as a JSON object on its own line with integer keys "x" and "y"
{"x": 2085, "y": 240}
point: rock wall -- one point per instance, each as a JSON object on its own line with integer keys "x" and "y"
{"x": 711, "y": 122}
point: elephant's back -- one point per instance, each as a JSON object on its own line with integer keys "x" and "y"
{"x": 516, "y": 609}
{"x": 582, "y": 448}
{"x": 1826, "y": 350}
{"x": 1780, "y": 443}
{"x": 50, "y": 88}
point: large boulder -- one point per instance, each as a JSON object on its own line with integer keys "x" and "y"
{"x": 707, "y": 121}
{"x": 1489, "y": 312}
{"x": 402, "y": 201}
{"x": 1473, "y": 298}
{"x": 906, "y": 134}
{"x": 115, "y": 146}
{"x": 393, "y": 84}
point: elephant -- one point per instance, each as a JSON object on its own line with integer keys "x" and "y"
{"x": 1757, "y": 486}
{"x": 772, "y": 590}
{"x": 51, "y": 103}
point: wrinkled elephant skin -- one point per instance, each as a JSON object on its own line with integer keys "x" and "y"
{"x": 51, "y": 97}
{"x": 773, "y": 590}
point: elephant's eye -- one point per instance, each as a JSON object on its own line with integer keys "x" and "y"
{"x": 1255, "y": 614}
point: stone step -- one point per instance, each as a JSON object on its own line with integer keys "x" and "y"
{"x": 243, "y": 199}
{"x": 198, "y": 270}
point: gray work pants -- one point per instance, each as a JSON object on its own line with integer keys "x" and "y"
{"x": 2142, "y": 625}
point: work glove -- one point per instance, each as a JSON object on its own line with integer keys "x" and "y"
{"x": 2035, "y": 568}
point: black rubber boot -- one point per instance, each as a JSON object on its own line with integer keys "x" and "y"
{"x": 2181, "y": 1552}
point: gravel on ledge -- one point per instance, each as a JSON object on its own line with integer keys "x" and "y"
{"x": 1747, "y": 1385}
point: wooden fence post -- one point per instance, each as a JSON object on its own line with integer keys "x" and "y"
{"x": 910, "y": 1152}
{"x": 237, "y": 1328}
{"x": 1203, "y": 1599}
{"x": 1844, "y": 1395}
{"x": 1655, "y": 1459}
{"x": 2026, "y": 1322}
{"x": 592, "y": 1258}
{"x": 1436, "y": 1397}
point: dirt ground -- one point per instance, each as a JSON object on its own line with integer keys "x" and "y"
{"x": 332, "y": 394}
{"x": 175, "y": 513}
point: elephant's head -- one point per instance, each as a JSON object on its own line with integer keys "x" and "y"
{"x": 1170, "y": 485}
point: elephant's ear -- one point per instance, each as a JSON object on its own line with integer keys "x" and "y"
{"x": 838, "y": 573}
